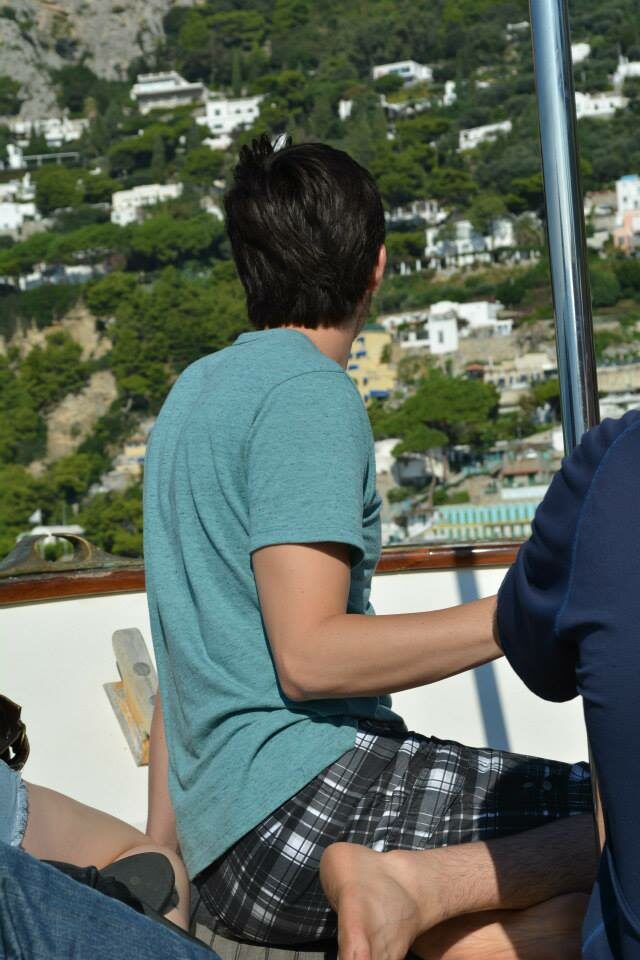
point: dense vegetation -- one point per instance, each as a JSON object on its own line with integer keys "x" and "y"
{"x": 171, "y": 293}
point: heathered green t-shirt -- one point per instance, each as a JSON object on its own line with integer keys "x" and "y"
{"x": 265, "y": 442}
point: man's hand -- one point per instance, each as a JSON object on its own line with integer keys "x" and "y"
{"x": 321, "y": 651}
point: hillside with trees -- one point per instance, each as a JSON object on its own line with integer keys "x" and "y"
{"x": 163, "y": 291}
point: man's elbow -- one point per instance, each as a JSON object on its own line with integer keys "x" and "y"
{"x": 294, "y": 685}
{"x": 298, "y": 678}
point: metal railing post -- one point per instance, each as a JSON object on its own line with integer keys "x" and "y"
{"x": 565, "y": 218}
{"x": 566, "y": 235}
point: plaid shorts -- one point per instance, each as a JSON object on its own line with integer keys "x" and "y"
{"x": 393, "y": 790}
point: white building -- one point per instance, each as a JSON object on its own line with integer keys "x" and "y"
{"x": 626, "y": 69}
{"x": 419, "y": 212}
{"x": 168, "y": 90}
{"x": 46, "y": 274}
{"x": 211, "y": 206}
{"x": 436, "y": 333}
{"x": 471, "y": 138}
{"x": 14, "y": 215}
{"x": 15, "y": 157}
{"x": 512, "y": 29}
{"x": 409, "y": 70}
{"x": 225, "y": 114}
{"x": 450, "y": 94}
{"x": 502, "y": 234}
{"x": 480, "y": 316}
{"x": 464, "y": 248}
{"x": 345, "y": 108}
{"x": 55, "y": 130}
{"x": 520, "y": 372}
{"x": 599, "y": 104}
{"x": 627, "y": 195}
{"x": 127, "y": 206}
{"x": 20, "y": 191}
{"x": 579, "y": 52}
{"x": 393, "y": 321}
{"x": 443, "y": 333}
{"x": 17, "y": 204}
{"x": 223, "y": 142}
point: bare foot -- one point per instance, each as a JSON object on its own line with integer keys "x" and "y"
{"x": 374, "y": 895}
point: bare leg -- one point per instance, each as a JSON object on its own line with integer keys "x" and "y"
{"x": 548, "y": 931}
{"x": 60, "y": 828}
{"x": 386, "y": 901}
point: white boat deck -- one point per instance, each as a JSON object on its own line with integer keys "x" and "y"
{"x": 55, "y": 657}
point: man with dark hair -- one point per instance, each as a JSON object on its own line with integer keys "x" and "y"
{"x": 262, "y": 533}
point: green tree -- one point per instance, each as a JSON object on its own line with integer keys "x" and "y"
{"x": 21, "y": 495}
{"x": 98, "y": 188}
{"x": 452, "y": 186}
{"x": 459, "y": 408}
{"x": 158, "y": 161}
{"x": 49, "y": 373}
{"x": 540, "y": 394}
{"x": 105, "y": 295}
{"x": 420, "y": 439}
{"x": 113, "y": 521}
{"x": 57, "y": 187}
{"x": 70, "y": 478}
{"x": 162, "y": 240}
{"x": 10, "y": 100}
{"x": 605, "y": 288}
{"x": 21, "y": 257}
{"x": 39, "y": 307}
{"x": 404, "y": 246}
{"x": 203, "y": 165}
{"x": 627, "y": 271}
{"x": 236, "y": 73}
{"x": 486, "y": 208}
{"x": 404, "y": 180}
{"x": 22, "y": 430}
{"x": 389, "y": 84}
{"x": 90, "y": 244}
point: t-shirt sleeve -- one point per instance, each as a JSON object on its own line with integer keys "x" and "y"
{"x": 307, "y": 461}
{"x": 535, "y": 591}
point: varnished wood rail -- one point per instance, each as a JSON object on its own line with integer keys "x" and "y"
{"x": 33, "y": 588}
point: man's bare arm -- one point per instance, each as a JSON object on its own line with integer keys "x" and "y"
{"x": 161, "y": 821}
{"x": 321, "y": 651}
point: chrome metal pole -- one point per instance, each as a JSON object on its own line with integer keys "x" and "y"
{"x": 565, "y": 219}
{"x": 566, "y": 235}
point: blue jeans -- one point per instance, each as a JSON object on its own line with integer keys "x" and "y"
{"x": 13, "y": 806}
{"x": 45, "y": 915}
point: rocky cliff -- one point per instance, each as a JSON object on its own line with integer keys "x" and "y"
{"x": 37, "y": 36}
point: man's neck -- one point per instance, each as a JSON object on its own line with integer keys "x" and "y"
{"x": 334, "y": 342}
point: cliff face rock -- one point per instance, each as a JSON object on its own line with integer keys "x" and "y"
{"x": 26, "y": 55}
{"x": 79, "y": 323}
{"x": 108, "y": 35}
{"x": 73, "y": 419}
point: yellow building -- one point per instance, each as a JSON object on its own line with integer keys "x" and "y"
{"x": 372, "y": 375}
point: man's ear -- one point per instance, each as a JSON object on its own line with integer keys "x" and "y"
{"x": 378, "y": 270}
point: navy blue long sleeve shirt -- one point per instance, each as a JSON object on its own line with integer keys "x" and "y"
{"x": 569, "y": 623}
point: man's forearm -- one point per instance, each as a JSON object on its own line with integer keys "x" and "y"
{"x": 161, "y": 821}
{"x": 353, "y": 655}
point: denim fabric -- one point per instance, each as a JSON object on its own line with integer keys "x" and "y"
{"x": 13, "y": 806}
{"x": 47, "y": 916}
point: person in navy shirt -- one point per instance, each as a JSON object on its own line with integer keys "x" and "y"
{"x": 569, "y": 622}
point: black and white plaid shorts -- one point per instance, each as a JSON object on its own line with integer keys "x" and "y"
{"x": 393, "y": 790}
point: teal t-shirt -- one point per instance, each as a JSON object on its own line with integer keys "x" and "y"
{"x": 265, "y": 442}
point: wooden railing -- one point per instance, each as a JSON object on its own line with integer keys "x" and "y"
{"x": 62, "y": 585}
